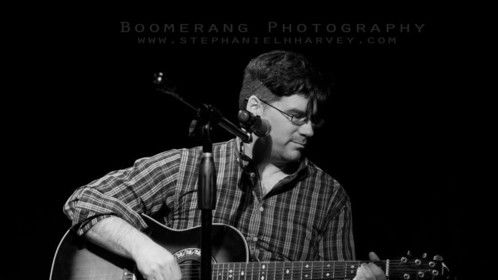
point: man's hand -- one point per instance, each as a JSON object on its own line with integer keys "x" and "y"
{"x": 153, "y": 261}
{"x": 370, "y": 271}
{"x": 156, "y": 263}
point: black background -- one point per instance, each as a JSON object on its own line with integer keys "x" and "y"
{"x": 87, "y": 106}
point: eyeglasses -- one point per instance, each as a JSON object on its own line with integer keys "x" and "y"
{"x": 298, "y": 121}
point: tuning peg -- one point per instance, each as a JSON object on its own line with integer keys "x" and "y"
{"x": 438, "y": 258}
{"x": 158, "y": 78}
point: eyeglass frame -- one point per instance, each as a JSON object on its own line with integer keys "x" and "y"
{"x": 293, "y": 119}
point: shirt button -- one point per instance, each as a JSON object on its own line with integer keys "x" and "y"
{"x": 252, "y": 175}
{"x": 261, "y": 209}
{"x": 254, "y": 239}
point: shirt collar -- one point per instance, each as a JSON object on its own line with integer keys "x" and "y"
{"x": 245, "y": 162}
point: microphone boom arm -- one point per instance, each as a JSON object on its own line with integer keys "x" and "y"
{"x": 206, "y": 112}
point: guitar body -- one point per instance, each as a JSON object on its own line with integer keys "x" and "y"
{"x": 77, "y": 258}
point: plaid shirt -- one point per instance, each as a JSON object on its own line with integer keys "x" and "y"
{"x": 306, "y": 216}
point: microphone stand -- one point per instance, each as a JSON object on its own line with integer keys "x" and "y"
{"x": 207, "y": 115}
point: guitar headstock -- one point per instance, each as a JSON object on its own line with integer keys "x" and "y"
{"x": 423, "y": 267}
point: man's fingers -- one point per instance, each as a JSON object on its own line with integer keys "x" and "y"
{"x": 360, "y": 273}
{"x": 373, "y": 256}
{"x": 377, "y": 271}
{"x": 174, "y": 272}
{"x": 368, "y": 273}
{"x": 178, "y": 272}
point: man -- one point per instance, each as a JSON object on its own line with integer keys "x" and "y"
{"x": 285, "y": 206}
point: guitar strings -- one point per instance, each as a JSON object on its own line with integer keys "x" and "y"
{"x": 339, "y": 270}
{"x": 293, "y": 276}
{"x": 290, "y": 264}
{"x": 280, "y": 271}
{"x": 304, "y": 262}
{"x": 398, "y": 269}
{"x": 393, "y": 267}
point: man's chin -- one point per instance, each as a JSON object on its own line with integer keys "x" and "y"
{"x": 294, "y": 155}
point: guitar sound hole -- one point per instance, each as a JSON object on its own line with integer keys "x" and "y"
{"x": 191, "y": 269}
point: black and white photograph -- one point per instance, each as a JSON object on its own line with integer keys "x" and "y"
{"x": 180, "y": 145}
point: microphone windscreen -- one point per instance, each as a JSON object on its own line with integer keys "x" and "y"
{"x": 253, "y": 123}
{"x": 244, "y": 116}
{"x": 261, "y": 127}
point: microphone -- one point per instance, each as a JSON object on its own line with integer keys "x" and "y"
{"x": 253, "y": 123}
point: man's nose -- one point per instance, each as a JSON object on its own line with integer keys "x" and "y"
{"x": 306, "y": 129}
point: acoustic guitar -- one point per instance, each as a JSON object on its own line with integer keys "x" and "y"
{"x": 78, "y": 259}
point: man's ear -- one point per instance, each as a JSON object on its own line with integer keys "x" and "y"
{"x": 254, "y": 105}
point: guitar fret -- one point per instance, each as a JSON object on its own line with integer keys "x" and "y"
{"x": 301, "y": 271}
{"x": 223, "y": 271}
{"x": 275, "y": 271}
{"x": 252, "y": 271}
{"x": 248, "y": 274}
{"x": 387, "y": 268}
{"x": 333, "y": 270}
{"x": 217, "y": 271}
{"x": 240, "y": 272}
{"x": 292, "y": 270}
{"x": 220, "y": 271}
{"x": 244, "y": 271}
{"x": 236, "y": 275}
{"x": 283, "y": 270}
{"x": 259, "y": 272}
{"x": 270, "y": 268}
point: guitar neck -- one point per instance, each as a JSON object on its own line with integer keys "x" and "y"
{"x": 288, "y": 270}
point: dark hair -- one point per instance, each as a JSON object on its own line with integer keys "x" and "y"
{"x": 284, "y": 73}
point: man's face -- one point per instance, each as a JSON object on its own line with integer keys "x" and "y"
{"x": 289, "y": 139}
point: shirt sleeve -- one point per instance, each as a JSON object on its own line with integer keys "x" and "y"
{"x": 336, "y": 242}
{"x": 146, "y": 188}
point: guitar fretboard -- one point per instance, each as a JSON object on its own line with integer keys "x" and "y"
{"x": 278, "y": 270}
